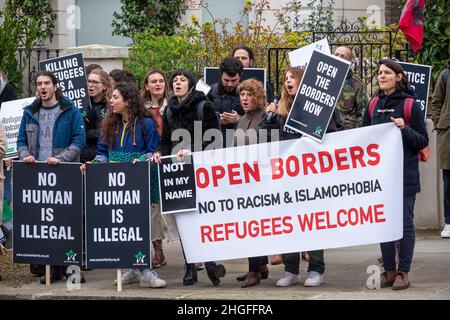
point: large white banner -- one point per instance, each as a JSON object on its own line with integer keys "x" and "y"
{"x": 296, "y": 195}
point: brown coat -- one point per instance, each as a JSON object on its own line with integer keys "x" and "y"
{"x": 440, "y": 106}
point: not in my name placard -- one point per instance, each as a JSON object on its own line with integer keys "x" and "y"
{"x": 177, "y": 185}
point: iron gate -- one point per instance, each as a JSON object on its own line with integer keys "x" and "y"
{"x": 368, "y": 47}
{"x": 30, "y": 65}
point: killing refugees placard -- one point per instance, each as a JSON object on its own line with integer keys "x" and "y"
{"x": 419, "y": 76}
{"x": 11, "y": 113}
{"x": 70, "y": 72}
{"x": 47, "y": 220}
{"x": 118, "y": 215}
{"x": 177, "y": 185}
{"x": 316, "y": 97}
{"x": 212, "y": 75}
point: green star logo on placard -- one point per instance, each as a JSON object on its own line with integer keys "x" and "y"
{"x": 71, "y": 255}
{"x": 139, "y": 257}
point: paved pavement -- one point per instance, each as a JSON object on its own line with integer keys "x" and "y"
{"x": 345, "y": 278}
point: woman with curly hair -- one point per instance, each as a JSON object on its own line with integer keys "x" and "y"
{"x": 253, "y": 101}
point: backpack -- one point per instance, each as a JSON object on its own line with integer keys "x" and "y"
{"x": 425, "y": 153}
{"x": 198, "y": 113}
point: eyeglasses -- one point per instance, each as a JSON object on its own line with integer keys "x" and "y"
{"x": 93, "y": 82}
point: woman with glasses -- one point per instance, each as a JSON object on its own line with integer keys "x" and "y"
{"x": 100, "y": 90}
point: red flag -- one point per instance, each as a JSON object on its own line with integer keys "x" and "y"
{"x": 411, "y": 22}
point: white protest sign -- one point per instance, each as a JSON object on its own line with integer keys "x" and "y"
{"x": 11, "y": 114}
{"x": 301, "y": 56}
{"x": 346, "y": 191}
{"x": 203, "y": 87}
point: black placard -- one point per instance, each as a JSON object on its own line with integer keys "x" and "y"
{"x": 212, "y": 75}
{"x": 47, "y": 213}
{"x": 70, "y": 72}
{"x": 419, "y": 76}
{"x": 118, "y": 215}
{"x": 316, "y": 97}
{"x": 177, "y": 185}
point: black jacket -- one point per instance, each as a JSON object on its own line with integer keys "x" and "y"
{"x": 92, "y": 117}
{"x": 224, "y": 101}
{"x": 182, "y": 117}
{"x": 414, "y": 135}
{"x": 8, "y": 94}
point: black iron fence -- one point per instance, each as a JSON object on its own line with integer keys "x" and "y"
{"x": 30, "y": 65}
{"x": 368, "y": 47}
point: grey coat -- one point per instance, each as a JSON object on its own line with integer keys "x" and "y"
{"x": 247, "y": 128}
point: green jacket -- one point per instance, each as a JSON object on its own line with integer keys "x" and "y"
{"x": 353, "y": 101}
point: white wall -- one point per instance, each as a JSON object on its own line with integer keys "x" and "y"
{"x": 343, "y": 9}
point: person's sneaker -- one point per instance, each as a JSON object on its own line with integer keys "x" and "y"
{"x": 150, "y": 279}
{"x": 314, "y": 279}
{"x": 288, "y": 279}
{"x": 4, "y": 233}
{"x": 130, "y": 276}
{"x": 446, "y": 231}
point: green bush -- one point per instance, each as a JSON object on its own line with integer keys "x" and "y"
{"x": 139, "y": 15}
{"x": 166, "y": 52}
{"x": 25, "y": 24}
{"x": 436, "y": 40}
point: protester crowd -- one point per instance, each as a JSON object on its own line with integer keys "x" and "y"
{"x": 125, "y": 123}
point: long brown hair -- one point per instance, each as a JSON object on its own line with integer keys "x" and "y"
{"x": 146, "y": 95}
{"x": 285, "y": 104}
{"x": 112, "y": 121}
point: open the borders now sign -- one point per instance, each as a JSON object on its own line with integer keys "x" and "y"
{"x": 317, "y": 94}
